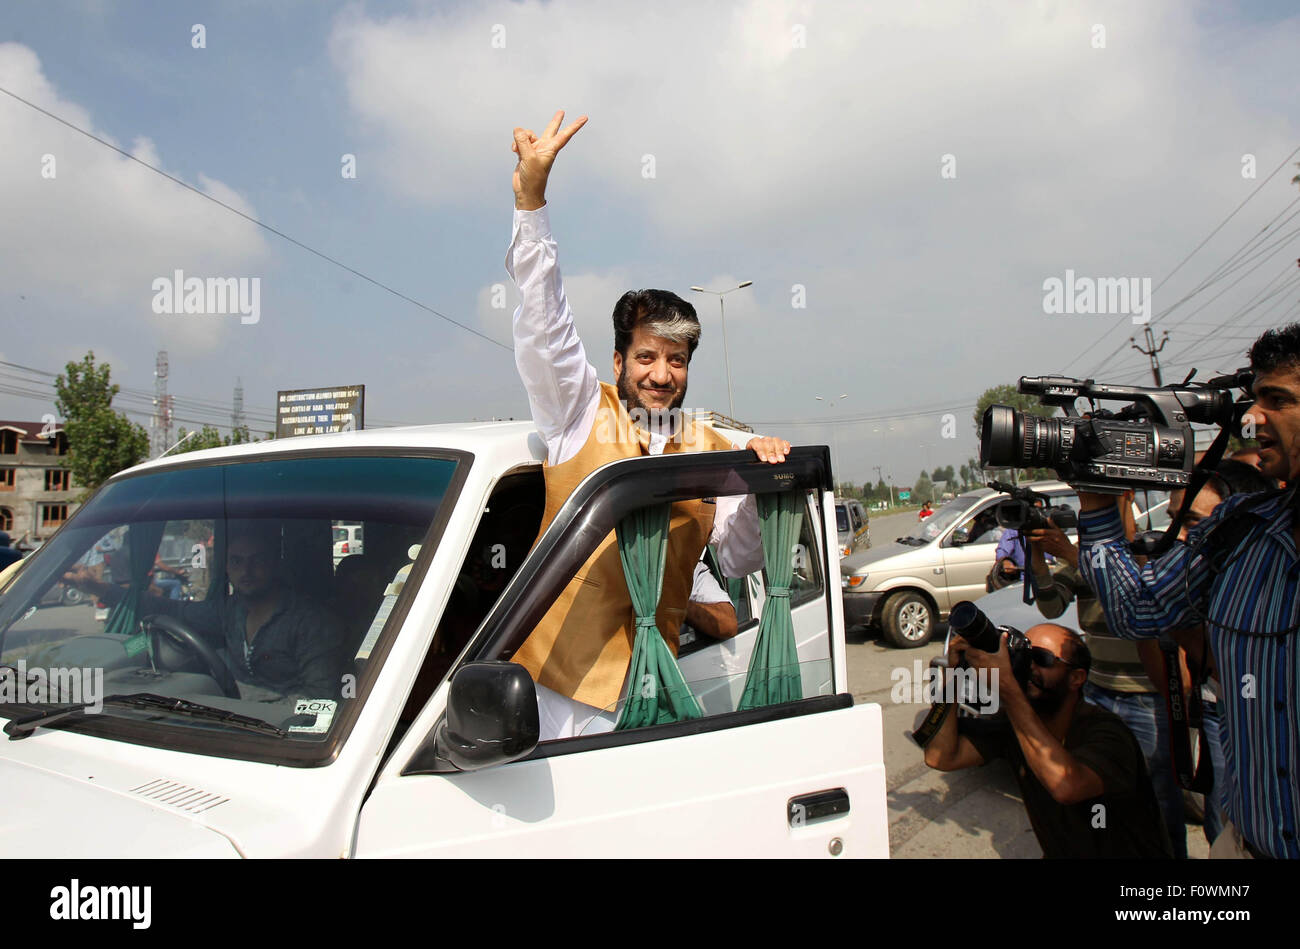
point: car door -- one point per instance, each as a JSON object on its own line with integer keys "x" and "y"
{"x": 803, "y": 778}
{"x": 966, "y": 566}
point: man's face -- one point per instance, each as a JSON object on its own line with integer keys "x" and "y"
{"x": 1048, "y": 689}
{"x": 1207, "y": 499}
{"x": 250, "y": 565}
{"x": 653, "y": 376}
{"x": 1276, "y": 414}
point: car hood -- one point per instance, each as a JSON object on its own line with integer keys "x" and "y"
{"x": 864, "y": 559}
{"x": 43, "y": 814}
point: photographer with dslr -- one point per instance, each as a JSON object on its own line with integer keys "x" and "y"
{"x": 1239, "y": 573}
{"x": 1081, "y": 773}
{"x": 1121, "y": 678}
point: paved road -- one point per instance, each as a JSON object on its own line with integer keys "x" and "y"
{"x": 975, "y": 813}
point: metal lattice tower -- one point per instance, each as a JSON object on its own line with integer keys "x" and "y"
{"x": 161, "y": 423}
{"x": 237, "y": 416}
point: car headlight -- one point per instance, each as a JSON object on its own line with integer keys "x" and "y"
{"x": 852, "y": 581}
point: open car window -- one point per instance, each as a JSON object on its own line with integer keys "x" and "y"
{"x": 716, "y": 676}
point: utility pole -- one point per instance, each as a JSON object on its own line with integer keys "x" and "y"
{"x": 1152, "y": 351}
{"x": 161, "y": 423}
{"x": 237, "y": 416}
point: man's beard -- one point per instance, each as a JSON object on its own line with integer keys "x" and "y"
{"x": 631, "y": 397}
{"x": 1049, "y": 701}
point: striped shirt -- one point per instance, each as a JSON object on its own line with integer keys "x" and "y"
{"x": 1256, "y": 591}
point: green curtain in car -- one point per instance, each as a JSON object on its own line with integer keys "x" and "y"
{"x": 656, "y": 691}
{"x": 774, "y": 666}
{"x": 141, "y": 545}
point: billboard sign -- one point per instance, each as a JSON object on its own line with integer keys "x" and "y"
{"x": 320, "y": 411}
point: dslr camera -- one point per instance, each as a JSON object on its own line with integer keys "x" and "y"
{"x": 1028, "y": 510}
{"x": 971, "y": 623}
{"x": 1146, "y": 443}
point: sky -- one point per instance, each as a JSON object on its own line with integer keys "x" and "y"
{"x": 901, "y": 182}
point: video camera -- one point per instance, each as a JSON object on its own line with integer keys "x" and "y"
{"x": 1028, "y": 510}
{"x": 1147, "y": 443}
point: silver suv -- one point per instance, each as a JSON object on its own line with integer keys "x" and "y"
{"x": 852, "y": 526}
{"x": 907, "y": 587}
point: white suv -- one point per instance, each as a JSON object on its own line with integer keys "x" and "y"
{"x": 423, "y": 739}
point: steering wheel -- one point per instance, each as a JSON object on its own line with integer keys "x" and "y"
{"x": 183, "y": 636}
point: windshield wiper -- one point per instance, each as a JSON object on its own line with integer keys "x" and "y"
{"x": 22, "y": 727}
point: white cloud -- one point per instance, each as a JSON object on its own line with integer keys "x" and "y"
{"x": 95, "y": 235}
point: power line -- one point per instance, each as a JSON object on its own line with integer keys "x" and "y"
{"x": 220, "y": 412}
{"x": 252, "y": 220}
{"x": 1180, "y": 264}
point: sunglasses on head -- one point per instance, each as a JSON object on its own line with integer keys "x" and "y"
{"x": 1044, "y": 658}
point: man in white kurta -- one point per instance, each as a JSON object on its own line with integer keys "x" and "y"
{"x": 565, "y": 394}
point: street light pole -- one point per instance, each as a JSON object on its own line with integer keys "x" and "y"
{"x": 722, "y": 307}
{"x": 835, "y": 442}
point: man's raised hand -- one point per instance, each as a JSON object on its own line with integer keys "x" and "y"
{"x": 536, "y": 155}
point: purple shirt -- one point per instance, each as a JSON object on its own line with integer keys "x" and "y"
{"x": 1009, "y": 548}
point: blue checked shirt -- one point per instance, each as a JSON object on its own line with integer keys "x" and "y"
{"x": 1257, "y": 591}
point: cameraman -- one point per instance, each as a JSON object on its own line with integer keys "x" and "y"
{"x": 1247, "y": 596}
{"x": 1080, "y": 770}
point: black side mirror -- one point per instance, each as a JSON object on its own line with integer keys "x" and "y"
{"x": 491, "y": 716}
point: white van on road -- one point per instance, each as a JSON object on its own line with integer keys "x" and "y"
{"x": 424, "y": 741}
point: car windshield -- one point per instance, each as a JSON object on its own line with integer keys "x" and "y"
{"x": 218, "y": 585}
{"x": 938, "y": 522}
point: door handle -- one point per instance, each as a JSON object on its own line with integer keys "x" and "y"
{"x": 807, "y": 808}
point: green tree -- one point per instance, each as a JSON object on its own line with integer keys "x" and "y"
{"x": 101, "y": 441}
{"x": 209, "y": 437}
{"x": 923, "y": 490}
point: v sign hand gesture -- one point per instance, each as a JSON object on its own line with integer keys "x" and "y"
{"x": 536, "y": 155}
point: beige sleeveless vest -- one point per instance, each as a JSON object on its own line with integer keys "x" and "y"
{"x": 583, "y": 645}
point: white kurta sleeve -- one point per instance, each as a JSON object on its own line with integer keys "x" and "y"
{"x": 735, "y": 528}
{"x": 563, "y": 391}
{"x": 705, "y": 587}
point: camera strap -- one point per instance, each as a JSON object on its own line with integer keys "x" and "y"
{"x": 1152, "y": 545}
{"x": 938, "y": 714}
{"x": 1202, "y": 777}
{"x": 1030, "y": 588}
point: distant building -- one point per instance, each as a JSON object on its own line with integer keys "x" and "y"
{"x": 35, "y": 489}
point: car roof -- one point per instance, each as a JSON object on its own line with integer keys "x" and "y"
{"x": 1043, "y": 487}
{"x": 502, "y": 445}
{"x": 508, "y": 443}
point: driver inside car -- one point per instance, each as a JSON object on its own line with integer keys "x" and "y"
{"x": 268, "y": 634}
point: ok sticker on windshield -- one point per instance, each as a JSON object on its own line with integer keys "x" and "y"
{"x": 322, "y": 709}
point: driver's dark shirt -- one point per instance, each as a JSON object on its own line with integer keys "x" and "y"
{"x": 295, "y": 652}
